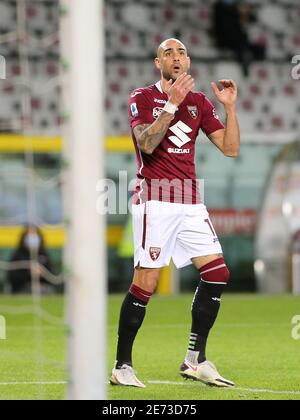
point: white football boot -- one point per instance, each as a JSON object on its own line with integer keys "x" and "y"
{"x": 205, "y": 372}
{"x": 125, "y": 376}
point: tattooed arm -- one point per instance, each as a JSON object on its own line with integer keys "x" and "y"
{"x": 149, "y": 136}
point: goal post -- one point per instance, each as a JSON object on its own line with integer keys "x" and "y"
{"x": 82, "y": 39}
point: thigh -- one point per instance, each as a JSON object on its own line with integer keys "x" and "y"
{"x": 155, "y": 232}
{"x": 199, "y": 262}
{"x": 197, "y": 239}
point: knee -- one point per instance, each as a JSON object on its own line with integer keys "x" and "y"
{"x": 147, "y": 279}
{"x": 216, "y": 272}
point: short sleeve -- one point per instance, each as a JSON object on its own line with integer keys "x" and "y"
{"x": 139, "y": 110}
{"x": 210, "y": 120}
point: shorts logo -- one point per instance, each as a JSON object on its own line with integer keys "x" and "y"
{"x": 157, "y": 111}
{"x": 193, "y": 110}
{"x": 154, "y": 253}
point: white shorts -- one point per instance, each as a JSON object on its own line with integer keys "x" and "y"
{"x": 169, "y": 230}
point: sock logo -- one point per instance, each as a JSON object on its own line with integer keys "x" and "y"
{"x": 215, "y": 299}
{"x": 138, "y": 304}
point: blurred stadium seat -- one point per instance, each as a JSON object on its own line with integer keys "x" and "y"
{"x": 135, "y": 36}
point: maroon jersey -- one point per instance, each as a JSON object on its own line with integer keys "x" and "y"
{"x": 169, "y": 173}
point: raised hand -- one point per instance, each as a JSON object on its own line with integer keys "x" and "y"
{"x": 228, "y": 95}
{"x": 178, "y": 90}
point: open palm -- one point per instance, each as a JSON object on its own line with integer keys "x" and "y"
{"x": 228, "y": 95}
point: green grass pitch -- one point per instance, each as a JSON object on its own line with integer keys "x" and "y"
{"x": 250, "y": 344}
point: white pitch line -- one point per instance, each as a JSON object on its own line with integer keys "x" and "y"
{"x": 34, "y": 383}
{"x": 227, "y": 325}
{"x": 254, "y": 390}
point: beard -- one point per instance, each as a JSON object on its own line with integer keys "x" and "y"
{"x": 168, "y": 76}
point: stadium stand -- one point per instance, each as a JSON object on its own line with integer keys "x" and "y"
{"x": 133, "y": 31}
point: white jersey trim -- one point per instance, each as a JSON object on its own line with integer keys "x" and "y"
{"x": 214, "y": 268}
{"x": 158, "y": 85}
{"x": 212, "y": 282}
{"x": 140, "y": 172}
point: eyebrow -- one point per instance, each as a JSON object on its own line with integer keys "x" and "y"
{"x": 171, "y": 49}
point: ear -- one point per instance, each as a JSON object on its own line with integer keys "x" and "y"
{"x": 157, "y": 63}
{"x": 189, "y": 63}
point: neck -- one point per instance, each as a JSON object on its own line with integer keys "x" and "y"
{"x": 163, "y": 83}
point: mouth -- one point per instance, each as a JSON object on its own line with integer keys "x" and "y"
{"x": 177, "y": 68}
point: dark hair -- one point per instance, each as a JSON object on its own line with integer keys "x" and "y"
{"x": 22, "y": 246}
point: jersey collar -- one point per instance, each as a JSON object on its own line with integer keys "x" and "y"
{"x": 158, "y": 86}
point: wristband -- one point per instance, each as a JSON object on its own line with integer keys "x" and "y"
{"x": 170, "y": 108}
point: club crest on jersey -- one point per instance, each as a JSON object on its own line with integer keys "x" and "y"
{"x": 154, "y": 253}
{"x": 193, "y": 110}
{"x": 156, "y": 112}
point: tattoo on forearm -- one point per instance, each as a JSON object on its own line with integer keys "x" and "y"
{"x": 149, "y": 136}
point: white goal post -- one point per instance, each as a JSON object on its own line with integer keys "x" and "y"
{"x": 82, "y": 47}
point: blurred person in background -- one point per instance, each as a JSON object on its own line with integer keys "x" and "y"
{"x": 31, "y": 247}
{"x": 231, "y": 18}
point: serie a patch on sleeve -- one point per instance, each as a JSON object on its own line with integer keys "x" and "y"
{"x": 134, "y": 110}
